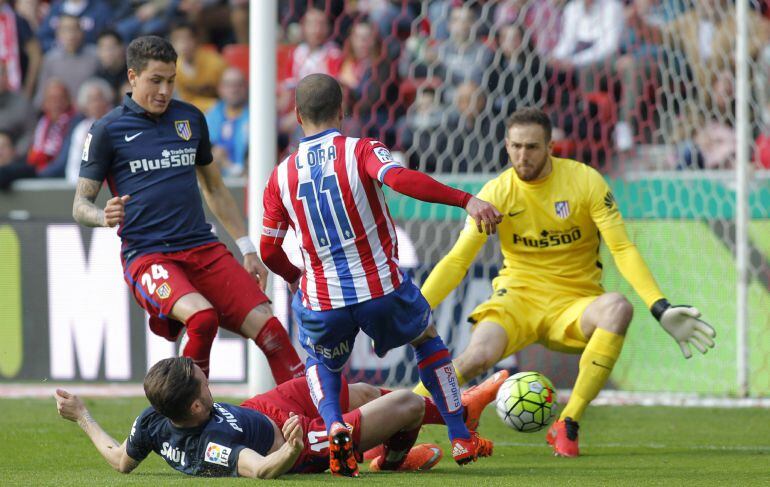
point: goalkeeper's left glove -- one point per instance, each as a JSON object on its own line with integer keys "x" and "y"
{"x": 682, "y": 323}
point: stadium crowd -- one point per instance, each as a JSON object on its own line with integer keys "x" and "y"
{"x": 434, "y": 80}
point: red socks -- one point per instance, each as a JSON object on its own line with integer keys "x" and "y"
{"x": 201, "y": 330}
{"x": 284, "y": 362}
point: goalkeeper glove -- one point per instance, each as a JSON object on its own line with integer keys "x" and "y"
{"x": 682, "y": 323}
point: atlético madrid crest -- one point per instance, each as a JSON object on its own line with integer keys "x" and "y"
{"x": 562, "y": 209}
{"x": 183, "y": 129}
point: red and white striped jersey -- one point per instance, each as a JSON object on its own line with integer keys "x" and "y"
{"x": 329, "y": 192}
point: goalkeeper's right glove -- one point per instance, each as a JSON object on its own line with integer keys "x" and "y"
{"x": 682, "y": 323}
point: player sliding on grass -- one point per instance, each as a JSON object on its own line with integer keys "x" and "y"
{"x": 549, "y": 289}
{"x": 330, "y": 192}
{"x": 154, "y": 152}
{"x": 268, "y": 435}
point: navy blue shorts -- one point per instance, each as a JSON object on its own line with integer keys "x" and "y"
{"x": 390, "y": 321}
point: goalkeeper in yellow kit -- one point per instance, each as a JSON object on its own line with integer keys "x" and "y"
{"x": 549, "y": 289}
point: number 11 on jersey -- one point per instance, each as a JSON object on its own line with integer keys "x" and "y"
{"x": 321, "y": 218}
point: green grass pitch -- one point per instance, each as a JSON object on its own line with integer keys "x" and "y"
{"x": 621, "y": 446}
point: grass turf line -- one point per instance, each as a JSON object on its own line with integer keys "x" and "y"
{"x": 621, "y": 446}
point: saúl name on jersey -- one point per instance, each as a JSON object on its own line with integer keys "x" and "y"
{"x": 173, "y": 453}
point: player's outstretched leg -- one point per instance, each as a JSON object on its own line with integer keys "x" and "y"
{"x": 605, "y": 320}
{"x": 270, "y": 336}
{"x": 438, "y": 375}
{"x": 202, "y": 328}
{"x": 325, "y": 387}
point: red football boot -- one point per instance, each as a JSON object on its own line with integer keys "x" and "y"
{"x": 342, "y": 460}
{"x": 563, "y": 437}
{"x": 420, "y": 458}
{"x": 478, "y": 397}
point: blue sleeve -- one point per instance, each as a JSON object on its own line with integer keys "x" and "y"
{"x": 258, "y": 429}
{"x": 214, "y": 121}
{"x": 97, "y": 154}
{"x": 203, "y": 156}
{"x": 138, "y": 444}
{"x": 23, "y": 30}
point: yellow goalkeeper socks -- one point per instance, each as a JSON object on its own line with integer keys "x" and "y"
{"x": 421, "y": 390}
{"x": 596, "y": 364}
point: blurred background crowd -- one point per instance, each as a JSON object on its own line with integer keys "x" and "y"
{"x": 649, "y": 83}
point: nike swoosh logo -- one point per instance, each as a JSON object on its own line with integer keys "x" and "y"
{"x": 514, "y": 213}
{"x": 600, "y": 365}
{"x": 129, "y": 139}
{"x": 295, "y": 368}
{"x": 219, "y": 419}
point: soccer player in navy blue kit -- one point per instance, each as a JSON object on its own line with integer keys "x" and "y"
{"x": 268, "y": 435}
{"x": 153, "y": 152}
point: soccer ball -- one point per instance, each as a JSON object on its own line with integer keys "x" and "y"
{"x": 526, "y": 401}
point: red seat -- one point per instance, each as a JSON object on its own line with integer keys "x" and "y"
{"x": 237, "y": 56}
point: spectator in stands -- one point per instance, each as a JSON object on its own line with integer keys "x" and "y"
{"x": 95, "y": 98}
{"x": 228, "y": 123}
{"x": 424, "y": 116}
{"x": 642, "y": 54}
{"x": 441, "y": 10}
{"x": 198, "y": 70}
{"x": 715, "y": 143}
{"x": 7, "y": 150}
{"x": 18, "y": 116}
{"x": 111, "y": 53}
{"x": 92, "y": 15}
{"x": 370, "y": 85}
{"x": 144, "y": 17}
{"x": 464, "y": 141}
{"x": 239, "y": 18}
{"x": 542, "y": 20}
{"x": 50, "y": 133}
{"x": 456, "y": 60}
{"x": 705, "y": 34}
{"x": 315, "y": 54}
{"x": 70, "y": 61}
{"x": 33, "y": 11}
{"x": 589, "y": 40}
{"x": 518, "y": 77}
{"x": 19, "y": 51}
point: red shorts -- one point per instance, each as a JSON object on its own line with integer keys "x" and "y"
{"x": 294, "y": 397}
{"x": 158, "y": 280}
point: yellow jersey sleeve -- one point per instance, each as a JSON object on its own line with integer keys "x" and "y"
{"x": 604, "y": 211}
{"x": 451, "y": 270}
{"x": 624, "y": 252}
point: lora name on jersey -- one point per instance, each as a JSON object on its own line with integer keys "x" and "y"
{"x": 169, "y": 158}
{"x": 318, "y": 155}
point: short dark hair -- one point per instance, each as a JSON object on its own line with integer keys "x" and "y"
{"x": 171, "y": 387}
{"x": 530, "y": 116}
{"x": 144, "y": 49}
{"x": 318, "y": 98}
{"x": 109, "y": 33}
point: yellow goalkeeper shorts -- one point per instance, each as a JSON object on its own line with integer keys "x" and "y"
{"x": 528, "y": 317}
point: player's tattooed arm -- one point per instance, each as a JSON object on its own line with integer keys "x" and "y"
{"x": 84, "y": 209}
{"x": 72, "y": 408}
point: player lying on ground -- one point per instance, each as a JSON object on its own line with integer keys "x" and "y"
{"x": 153, "y": 152}
{"x": 549, "y": 290}
{"x": 330, "y": 192}
{"x": 270, "y": 434}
